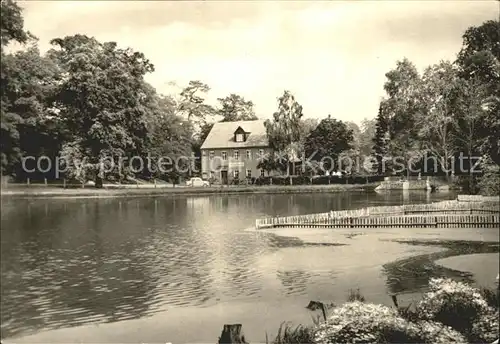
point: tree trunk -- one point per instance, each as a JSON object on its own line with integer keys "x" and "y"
{"x": 471, "y": 189}
{"x": 288, "y": 171}
{"x": 447, "y": 167}
{"x": 98, "y": 182}
{"x": 408, "y": 171}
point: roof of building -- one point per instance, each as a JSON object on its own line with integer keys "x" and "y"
{"x": 222, "y": 135}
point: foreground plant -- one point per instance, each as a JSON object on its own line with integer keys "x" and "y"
{"x": 294, "y": 335}
{"x": 461, "y": 307}
{"x": 450, "y": 312}
{"x": 358, "y": 322}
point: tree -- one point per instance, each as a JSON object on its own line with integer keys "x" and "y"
{"x": 103, "y": 100}
{"x": 479, "y": 44}
{"x": 235, "y": 108}
{"x": 479, "y": 65}
{"x": 402, "y": 106}
{"x": 328, "y": 140}
{"x": 479, "y": 60}
{"x": 205, "y": 130}
{"x": 437, "y": 122}
{"x": 306, "y": 126}
{"x": 170, "y": 140}
{"x": 12, "y": 24}
{"x": 284, "y": 129}
{"x": 192, "y": 106}
{"x": 356, "y": 134}
{"x": 366, "y": 136}
{"x": 380, "y": 140}
{"x": 29, "y": 127}
{"x": 470, "y": 125}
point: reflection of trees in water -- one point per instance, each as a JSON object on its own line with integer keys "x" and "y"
{"x": 294, "y": 282}
{"x": 64, "y": 270}
{"x": 175, "y": 250}
{"x": 413, "y": 274}
{"x": 223, "y": 252}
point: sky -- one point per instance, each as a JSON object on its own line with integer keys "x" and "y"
{"x": 332, "y": 55}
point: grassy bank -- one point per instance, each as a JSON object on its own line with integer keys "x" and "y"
{"x": 42, "y": 191}
{"x": 449, "y": 312}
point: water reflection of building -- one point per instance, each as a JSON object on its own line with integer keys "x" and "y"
{"x": 200, "y": 203}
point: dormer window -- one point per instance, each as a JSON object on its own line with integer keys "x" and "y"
{"x": 240, "y": 135}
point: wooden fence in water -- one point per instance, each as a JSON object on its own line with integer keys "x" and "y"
{"x": 439, "y": 214}
{"x": 477, "y": 198}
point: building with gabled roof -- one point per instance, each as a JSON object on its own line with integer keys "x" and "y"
{"x": 233, "y": 150}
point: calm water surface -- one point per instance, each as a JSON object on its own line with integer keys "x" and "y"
{"x": 185, "y": 261}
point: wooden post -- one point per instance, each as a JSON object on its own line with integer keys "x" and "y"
{"x": 395, "y": 300}
{"x": 64, "y": 183}
{"x": 28, "y": 181}
{"x": 231, "y": 334}
{"x": 45, "y": 181}
{"x": 154, "y": 182}
{"x": 323, "y": 310}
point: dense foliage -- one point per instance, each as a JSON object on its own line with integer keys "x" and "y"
{"x": 327, "y": 141}
{"x": 451, "y": 110}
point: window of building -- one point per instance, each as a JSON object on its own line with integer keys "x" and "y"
{"x": 262, "y": 173}
{"x": 249, "y": 173}
{"x": 224, "y": 155}
{"x": 212, "y": 174}
{"x": 249, "y": 155}
{"x": 204, "y": 153}
{"x": 240, "y": 138}
{"x": 261, "y": 153}
{"x": 236, "y": 174}
{"x": 211, "y": 154}
{"x": 236, "y": 155}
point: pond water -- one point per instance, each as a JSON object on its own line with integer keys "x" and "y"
{"x": 175, "y": 269}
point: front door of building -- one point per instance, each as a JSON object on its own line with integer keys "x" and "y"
{"x": 223, "y": 177}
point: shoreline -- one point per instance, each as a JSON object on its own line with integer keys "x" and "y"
{"x": 52, "y": 192}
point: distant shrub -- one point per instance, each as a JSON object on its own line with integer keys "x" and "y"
{"x": 301, "y": 180}
{"x": 262, "y": 181}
